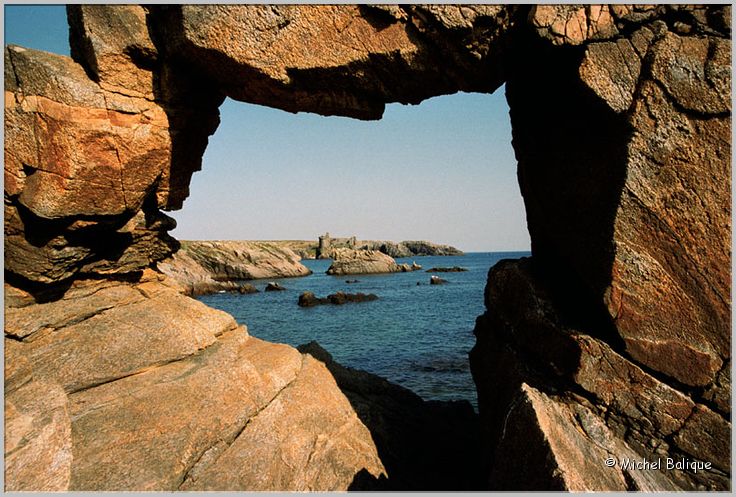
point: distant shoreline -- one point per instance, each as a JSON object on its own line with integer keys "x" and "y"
{"x": 307, "y": 242}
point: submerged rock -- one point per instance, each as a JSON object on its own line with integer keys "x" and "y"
{"x": 436, "y": 280}
{"x": 274, "y": 287}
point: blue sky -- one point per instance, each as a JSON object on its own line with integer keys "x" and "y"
{"x": 443, "y": 170}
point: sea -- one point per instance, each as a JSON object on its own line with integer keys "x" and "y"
{"x": 416, "y": 334}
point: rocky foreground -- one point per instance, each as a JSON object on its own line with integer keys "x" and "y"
{"x": 203, "y": 267}
{"x": 130, "y": 385}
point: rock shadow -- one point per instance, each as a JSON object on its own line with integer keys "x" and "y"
{"x": 424, "y": 445}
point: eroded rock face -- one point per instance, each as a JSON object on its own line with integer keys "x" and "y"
{"x": 346, "y": 60}
{"x": 79, "y": 163}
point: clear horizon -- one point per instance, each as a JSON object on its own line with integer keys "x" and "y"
{"x": 442, "y": 171}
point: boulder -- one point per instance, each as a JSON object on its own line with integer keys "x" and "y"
{"x": 64, "y": 133}
{"x": 274, "y": 287}
{"x": 349, "y": 261}
{"x": 436, "y": 280}
{"x": 247, "y": 288}
{"x": 406, "y": 268}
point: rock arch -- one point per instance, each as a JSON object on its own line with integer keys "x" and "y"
{"x": 617, "y": 327}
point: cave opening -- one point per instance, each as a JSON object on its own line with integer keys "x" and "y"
{"x": 443, "y": 171}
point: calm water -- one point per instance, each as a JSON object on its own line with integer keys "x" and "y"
{"x": 417, "y": 336}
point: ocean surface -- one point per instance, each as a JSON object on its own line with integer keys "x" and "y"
{"x": 417, "y": 336}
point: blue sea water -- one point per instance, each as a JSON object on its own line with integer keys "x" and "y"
{"x": 417, "y": 336}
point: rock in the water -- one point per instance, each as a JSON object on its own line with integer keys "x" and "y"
{"x": 349, "y": 261}
{"x": 453, "y": 269}
{"x": 274, "y": 287}
{"x": 436, "y": 280}
{"x": 406, "y": 268}
{"x": 351, "y": 281}
{"x": 247, "y": 288}
{"x": 308, "y": 299}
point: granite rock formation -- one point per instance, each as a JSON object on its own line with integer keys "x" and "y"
{"x": 210, "y": 266}
{"x": 352, "y": 261}
{"x": 614, "y": 338}
{"x": 131, "y": 385}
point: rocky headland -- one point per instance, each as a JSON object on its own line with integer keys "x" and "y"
{"x": 412, "y": 248}
{"x": 321, "y": 248}
{"x": 203, "y": 267}
{"x": 612, "y": 341}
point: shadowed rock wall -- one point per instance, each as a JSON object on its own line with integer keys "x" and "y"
{"x": 618, "y": 326}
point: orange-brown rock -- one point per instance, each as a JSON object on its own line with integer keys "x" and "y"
{"x": 130, "y": 385}
{"x": 338, "y": 59}
{"x": 38, "y": 446}
{"x": 76, "y": 153}
{"x": 78, "y": 171}
{"x": 299, "y": 441}
{"x": 572, "y": 446}
{"x": 115, "y": 42}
